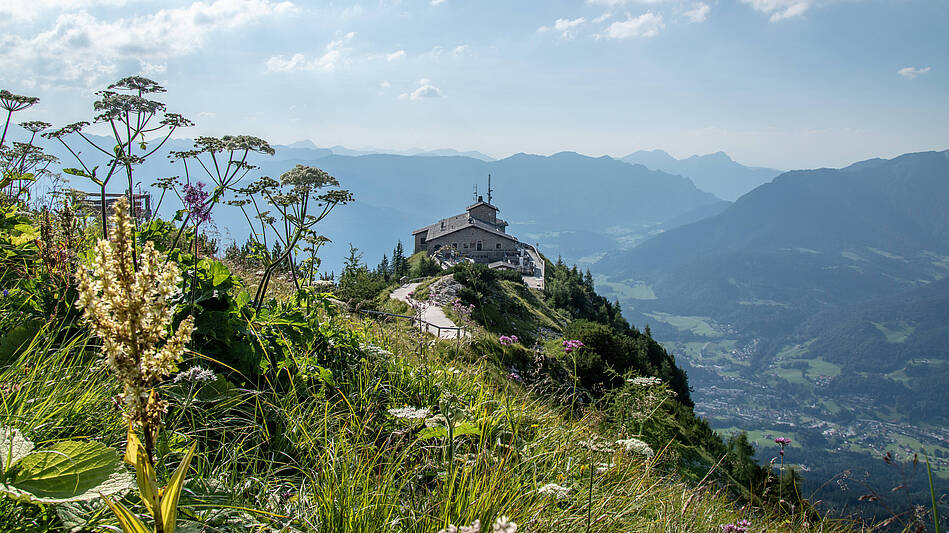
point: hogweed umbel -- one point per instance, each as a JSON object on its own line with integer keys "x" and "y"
{"x": 130, "y": 311}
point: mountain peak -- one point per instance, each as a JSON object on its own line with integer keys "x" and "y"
{"x": 306, "y": 143}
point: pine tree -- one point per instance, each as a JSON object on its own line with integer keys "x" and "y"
{"x": 399, "y": 262}
{"x": 383, "y": 268}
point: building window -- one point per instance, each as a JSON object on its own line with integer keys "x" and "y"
{"x": 465, "y": 245}
{"x": 422, "y": 241}
{"x": 498, "y": 246}
{"x": 479, "y": 246}
{"x": 454, "y": 245}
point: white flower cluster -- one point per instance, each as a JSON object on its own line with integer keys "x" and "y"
{"x": 372, "y": 349}
{"x": 410, "y": 413}
{"x": 195, "y": 374}
{"x": 554, "y": 490}
{"x": 130, "y": 312}
{"x": 501, "y": 525}
{"x": 597, "y": 445}
{"x": 645, "y": 382}
{"x": 635, "y": 446}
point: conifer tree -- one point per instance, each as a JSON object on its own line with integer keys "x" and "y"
{"x": 399, "y": 262}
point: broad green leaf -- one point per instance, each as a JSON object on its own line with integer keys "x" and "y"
{"x": 465, "y": 428}
{"x": 218, "y": 272}
{"x": 129, "y": 522}
{"x": 79, "y": 516}
{"x": 13, "y": 447}
{"x": 68, "y": 471}
{"x": 242, "y": 298}
{"x": 434, "y": 432}
{"x": 169, "y": 500}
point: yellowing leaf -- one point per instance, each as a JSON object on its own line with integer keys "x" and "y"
{"x": 129, "y": 522}
{"x": 131, "y": 449}
{"x": 147, "y": 482}
{"x": 169, "y": 500}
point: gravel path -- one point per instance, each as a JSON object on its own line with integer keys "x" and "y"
{"x": 432, "y": 314}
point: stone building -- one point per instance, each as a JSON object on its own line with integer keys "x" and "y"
{"x": 477, "y": 234}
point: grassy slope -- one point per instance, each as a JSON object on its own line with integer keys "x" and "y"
{"x": 295, "y": 453}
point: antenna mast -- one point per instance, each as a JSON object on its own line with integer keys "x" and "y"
{"x": 489, "y": 190}
{"x": 476, "y": 193}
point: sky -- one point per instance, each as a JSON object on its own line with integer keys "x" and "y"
{"x": 778, "y": 83}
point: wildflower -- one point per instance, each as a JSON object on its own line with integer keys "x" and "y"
{"x": 195, "y": 199}
{"x": 644, "y": 382}
{"x": 554, "y": 490}
{"x": 783, "y": 441}
{"x": 6, "y": 293}
{"x": 410, "y": 413}
{"x": 503, "y": 525}
{"x": 475, "y": 527}
{"x": 601, "y": 468}
{"x": 507, "y": 341}
{"x": 514, "y": 376}
{"x": 571, "y": 345}
{"x": 636, "y": 446}
{"x": 597, "y": 445}
{"x": 132, "y": 314}
{"x": 195, "y": 374}
{"x": 463, "y": 311}
{"x": 741, "y": 526}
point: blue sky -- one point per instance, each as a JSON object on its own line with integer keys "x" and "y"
{"x": 781, "y": 83}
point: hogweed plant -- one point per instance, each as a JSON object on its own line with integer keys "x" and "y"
{"x": 130, "y": 311}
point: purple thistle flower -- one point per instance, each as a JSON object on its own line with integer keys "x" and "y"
{"x": 783, "y": 441}
{"x": 507, "y": 341}
{"x": 195, "y": 199}
{"x": 571, "y": 345}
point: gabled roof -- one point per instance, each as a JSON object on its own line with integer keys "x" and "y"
{"x": 480, "y": 202}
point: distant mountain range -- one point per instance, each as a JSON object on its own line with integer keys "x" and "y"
{"x": 572, "y": 205}
{"x": 807, "y": 240}
{"x": 815, "y": 306}
{"x": 342, "y": 150}
{"x": 716, "y": 173}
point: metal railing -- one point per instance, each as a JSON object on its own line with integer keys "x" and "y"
{"x": 423, "y": 324}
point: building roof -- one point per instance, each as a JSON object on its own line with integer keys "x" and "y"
{"x": 480, "y": 202}
{"x": 435, "y": 230}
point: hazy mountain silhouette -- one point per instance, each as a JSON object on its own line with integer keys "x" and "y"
{"x": 716, "y": 173}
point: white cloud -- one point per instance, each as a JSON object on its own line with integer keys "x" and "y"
{"x": 327, "y": 62}
{"x": 149, "y": 69}
{"x": 384, "y": 84}
{"x": 698, "y": 13}
{"x": 602, "y": 17}
{"x": 913, "y": 72}
{"x": 437, "y": 2}
{"x": 81, "y": 46}
{"x": 566, "y": 27}
{"x": 645, "y": 25}
{"x": 398, "y": 54}
{"x": 438, "y": 51}
{"x": 779, "y": 9}
{"x": 424, "y": 91}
